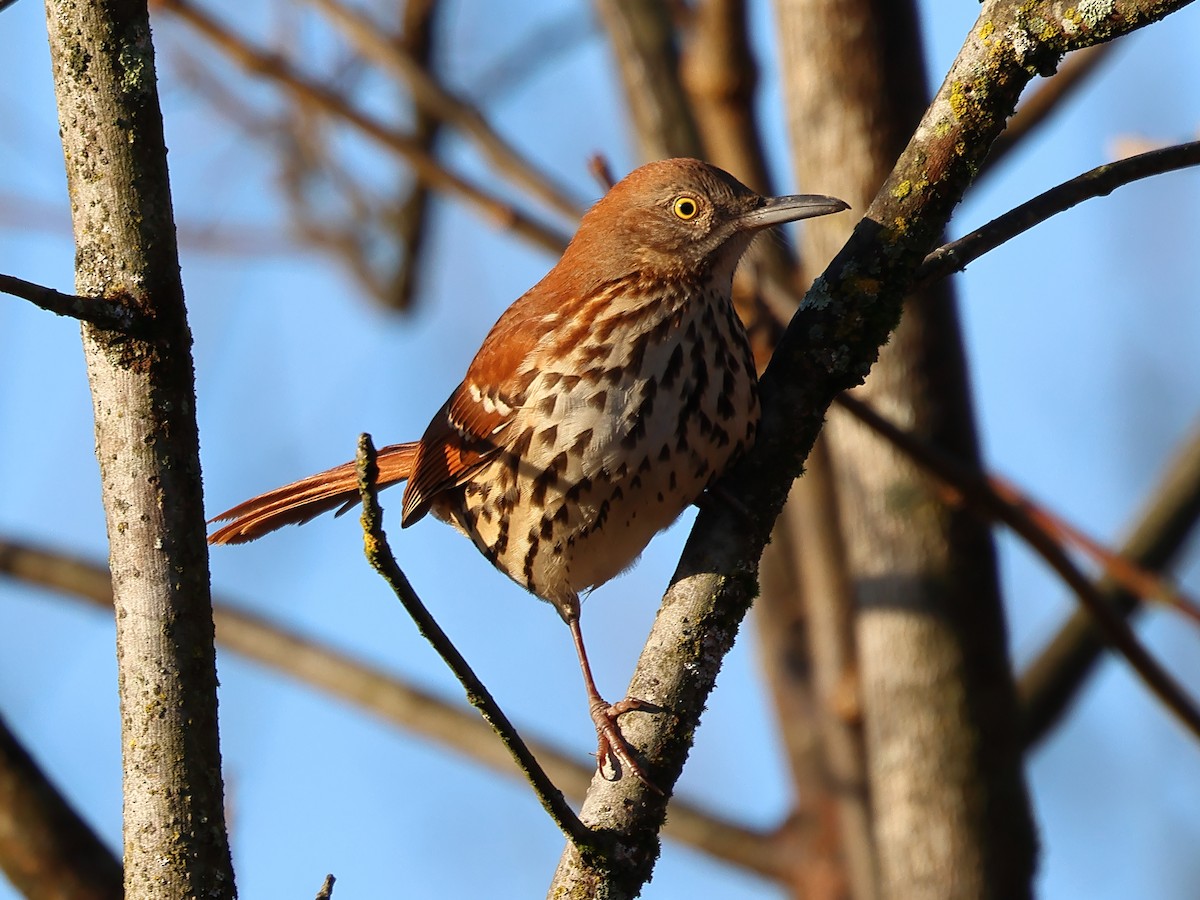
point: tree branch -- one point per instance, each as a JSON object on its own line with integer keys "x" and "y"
{"x": 147, "y": 445}
{"x": 981, "y": 497}
{"x": 384, "y": 562}
{"x": 1098, "y": 182}
{"x": 106, "y": 314}
{"x": 46, "y": 848}
{"x": 962, "y": 481}
{"x": 1054, "y": 679}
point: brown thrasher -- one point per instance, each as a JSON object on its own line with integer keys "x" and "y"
{"x": 601, "y": 404}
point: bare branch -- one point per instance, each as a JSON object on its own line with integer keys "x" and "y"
{"x": 384, "y": 562}
{"x": 1118, "y": 568}
{"x": 107, "y": 314}
{"x": 1098, "y": 182}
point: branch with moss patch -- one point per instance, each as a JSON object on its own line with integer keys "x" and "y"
{"x": 107, "y": 314}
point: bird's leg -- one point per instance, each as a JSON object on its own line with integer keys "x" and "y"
{"x": 611, "y": 742}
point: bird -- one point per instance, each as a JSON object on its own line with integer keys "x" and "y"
{"x": 604, "y": 401}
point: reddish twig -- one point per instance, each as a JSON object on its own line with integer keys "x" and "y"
{"x": 974, "y": 489}
{"x": 1126, "y": 573}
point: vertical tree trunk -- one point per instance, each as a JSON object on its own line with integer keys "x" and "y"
{"x": 951, "y": 816}
{"x": 147, "y": 445}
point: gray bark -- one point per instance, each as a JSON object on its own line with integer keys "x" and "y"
{"x": 147, "y": 446}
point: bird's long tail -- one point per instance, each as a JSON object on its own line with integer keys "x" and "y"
{"x": 296, "y": 503}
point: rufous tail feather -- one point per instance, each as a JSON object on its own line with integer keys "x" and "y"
{"x": 296, "y": 503}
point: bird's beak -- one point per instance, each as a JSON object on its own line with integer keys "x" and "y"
{"x": 776, "y": 210}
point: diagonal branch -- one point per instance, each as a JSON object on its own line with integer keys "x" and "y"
{"x": 1126, "y": 573}
{"x": 1098, "y": 182}
{"x": 1053, "y": 680}
{"x": 46, "y": 848}
{"x": 981, "y": 497}
{"x": 384, "y": 562}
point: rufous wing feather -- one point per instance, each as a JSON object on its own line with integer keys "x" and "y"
{"x": 296, "y": 503}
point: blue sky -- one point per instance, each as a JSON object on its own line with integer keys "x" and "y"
{"x": 1081, "y": 338}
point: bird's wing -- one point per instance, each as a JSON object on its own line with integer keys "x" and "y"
{"x": 472, "y": 426}
{"x": 462, "y": 437}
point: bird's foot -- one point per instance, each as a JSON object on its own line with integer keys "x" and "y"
{"x": 612, "y": 746}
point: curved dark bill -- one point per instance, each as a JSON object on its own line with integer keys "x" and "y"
{"x": 788, "y": 209}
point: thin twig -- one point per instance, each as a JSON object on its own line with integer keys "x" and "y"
{"x": 103, "y": 313}
{"x": 1120, "y": 569}
{"x": 599, "y": 168}
{"x": 425, "y": 166}
{"x": 379, "y": 553}
{"x": 1100, "y": 181}
{"x": 973, "y": 488}
{"x": 1166, "y": 526}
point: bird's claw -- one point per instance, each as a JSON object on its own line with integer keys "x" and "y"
{"x": 611, "y": 744}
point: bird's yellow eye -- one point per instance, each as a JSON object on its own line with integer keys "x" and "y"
{"x": 685, "y": 207}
